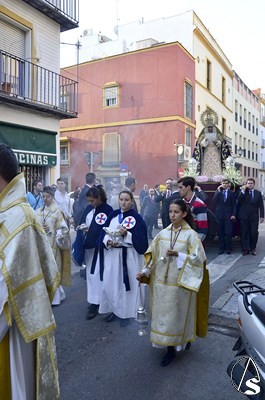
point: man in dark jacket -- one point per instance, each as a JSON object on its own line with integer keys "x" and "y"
{"x": 162, "y": 197}
{"x": 174, "y": 196}
{"x": 251, "y": 212}
{"x": 150, "y": 211}
{"x": 82, "y": 200}
{"x": 225, "y": 202}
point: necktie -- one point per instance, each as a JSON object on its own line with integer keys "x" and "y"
{"x": 252, "y": 195}
{"x": 225, "y": 195}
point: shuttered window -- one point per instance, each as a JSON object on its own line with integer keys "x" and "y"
{"x": 111, "y": 148}
{"x": 12, "y": 39}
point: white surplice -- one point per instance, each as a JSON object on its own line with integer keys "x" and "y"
{"x": 115, "y": 298}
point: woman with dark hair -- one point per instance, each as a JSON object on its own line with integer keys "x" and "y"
{"x": 55, "y": 226}
{"x": 175, "y": 264}
{"x": 91, "y": 224}
{"x": 126, "y": 241}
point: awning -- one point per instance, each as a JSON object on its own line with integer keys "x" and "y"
{"x": 31, "y": 146}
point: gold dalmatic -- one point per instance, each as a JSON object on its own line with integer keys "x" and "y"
{"x": 32, "y": 277}
{"x": 175, "y": 287}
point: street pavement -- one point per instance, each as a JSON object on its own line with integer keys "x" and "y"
{"x": 226, "y": 269}
{"x": 101, "y": 361}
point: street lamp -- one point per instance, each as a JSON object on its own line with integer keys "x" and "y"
{"x": 240, "y": 152}
{"x": 90, "y": 158}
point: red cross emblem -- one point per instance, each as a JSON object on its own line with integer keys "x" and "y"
{"x": 129, "y": 222}
{"x": 101, "y": 218}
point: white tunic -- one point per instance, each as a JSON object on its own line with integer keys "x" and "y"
{"x": 115, "y": 298}
{"x": 94, "y": 284}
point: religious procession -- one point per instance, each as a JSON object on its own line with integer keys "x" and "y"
{"x": 130, "y": 251}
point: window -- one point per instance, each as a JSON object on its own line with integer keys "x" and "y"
{"x": 209, "y": 75}
{"x": 223, "y": 90}
{"x": 64, "y": 153}
{"x": 236, "y": 110}
{"x": 188, "y": 100}
{"x": 12, "y": 68}
{"x": 111, "y": 96}
{"x": 188, "y": 136}
{"x": 224, "y": 126}
{"x": 111, "y": 149}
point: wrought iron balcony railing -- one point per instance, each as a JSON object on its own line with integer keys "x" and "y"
{"x": 65, "y": 12}
{"x": 29, "y": 85}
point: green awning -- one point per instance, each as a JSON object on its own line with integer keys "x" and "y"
{"x": 31, "y": 146}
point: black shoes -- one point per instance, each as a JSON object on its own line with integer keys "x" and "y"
{"x": 111, "y": 317}
{"x": 188, "y": 346}
{"x": 228, "y": 252}
{"x": 254, "y": 253}
{"x": 124, "y": 322}
{"x": 171, "y": 354}
{"x": 245, "y": 252}
{"x": 92, "y": 311}
{"x": 221, "y": 252}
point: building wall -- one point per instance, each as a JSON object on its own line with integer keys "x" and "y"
{"x": 45, "y": 33}
{"x": 248, "y": 139}
{"x": 204, "y": 51}
{"x": 42, "y": 47}
{"x": 149, "y": 117}
{"x": 189, "y": 30}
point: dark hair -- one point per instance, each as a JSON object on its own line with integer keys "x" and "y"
{"x": 185, "y": 208}
{"x": 97, "y": 192}
{"x": 251, "y": 179}
{"x": 61, "y": 180}
{"x": 129, "y": 181}
{"x": 126, "y": 191}
{"x": 8, "y": 163}
{"x": 34, "y": 183}
{"x": 49, "y": 189}
{"x": 188, "y": 181}
{"x": 90, "y": 177}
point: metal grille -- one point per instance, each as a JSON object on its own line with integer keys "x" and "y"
{"x": 32, "y": 172}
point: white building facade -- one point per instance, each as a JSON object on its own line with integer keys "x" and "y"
{"x": 246, "y": 127}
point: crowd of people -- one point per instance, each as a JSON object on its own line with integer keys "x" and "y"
{"x": 114, "y": 239}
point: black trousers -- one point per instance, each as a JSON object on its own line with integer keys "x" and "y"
{"x": 224, "y": 231}
{"x": 249, "y": 233}
{"x": 150, "y": 222}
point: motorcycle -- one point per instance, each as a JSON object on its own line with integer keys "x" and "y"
{"x": 247, "y": 373}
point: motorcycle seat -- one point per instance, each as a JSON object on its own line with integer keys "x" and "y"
{"x": 258, "y": 307}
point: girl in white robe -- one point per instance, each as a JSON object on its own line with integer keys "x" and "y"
{"x": 126, "y": 241}
{"x": 175, "y": 262}
{"x": 92, "y": 222}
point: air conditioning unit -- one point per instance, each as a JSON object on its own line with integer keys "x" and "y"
{"x": 184, "y": 152}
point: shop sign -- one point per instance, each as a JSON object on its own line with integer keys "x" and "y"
{"x": 30, "y": 158}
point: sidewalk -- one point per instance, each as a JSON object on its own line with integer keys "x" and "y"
{"x": 224, "y": 311}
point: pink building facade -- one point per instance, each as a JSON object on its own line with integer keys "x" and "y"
{"x": 133, "y": 108}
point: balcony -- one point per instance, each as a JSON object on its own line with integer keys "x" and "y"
{"x": 65, "y": 12}
{"x": 28, "y": 85}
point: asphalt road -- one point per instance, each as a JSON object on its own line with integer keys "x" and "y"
{"x": 99, "y": 360}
